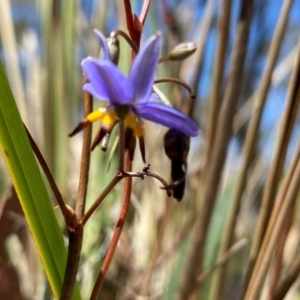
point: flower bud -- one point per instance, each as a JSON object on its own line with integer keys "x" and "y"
{"x": 182, "y": 51}
{"x": 114, "y": 49}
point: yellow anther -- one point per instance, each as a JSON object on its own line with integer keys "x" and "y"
{"x": 132, "y": 123}
{"x": 109, "y": 120}
{"x": 138, "y": 130}
{"x": 96, "y": 115}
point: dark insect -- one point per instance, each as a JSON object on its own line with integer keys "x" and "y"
{"x": 177, "y": 146}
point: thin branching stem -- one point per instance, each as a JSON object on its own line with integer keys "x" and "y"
{"x": 49, "y": 176}
{"x": 75, "y": 230}
{"x": 85, "y": 159}
{"x": 123, "y": 34}
{"x": 117, "y": 178}
{"x": 165, "y": 184}
{"x": 163, "y": 59}
{"x": 119, "y": 227}
{"x": 101, "y": 197}
{"x": 180, "y": 82}
{"x": 145, "y": 172}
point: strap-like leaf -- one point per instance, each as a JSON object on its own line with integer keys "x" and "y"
{"x": 31, "y": 189}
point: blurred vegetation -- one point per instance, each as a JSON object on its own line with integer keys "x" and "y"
{"x": 232, "y": 169}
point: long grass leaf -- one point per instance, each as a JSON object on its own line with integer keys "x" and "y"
{"x": 31, "y": 189}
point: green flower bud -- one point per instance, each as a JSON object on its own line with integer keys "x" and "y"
{"x": 114, "y": 49}
{"x": 182, "y": 51}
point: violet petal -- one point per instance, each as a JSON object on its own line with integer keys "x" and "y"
{"x": 107, "y": 81}
{"x": 167, "y": 116}
{"x": 143, "y": 70}
{"x": 103, "y": 44}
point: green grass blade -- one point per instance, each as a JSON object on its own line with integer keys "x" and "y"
{"x": 31, "y": 189}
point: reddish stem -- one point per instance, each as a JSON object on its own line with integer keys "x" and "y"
{"x": 128, "y": 13}
{"x": 134, "y": 25}
{"x": 49, "y": 177}
{"x": 144, "y": 12}
{"x": 99, "y": 200}
{"x": 114, "y": 242}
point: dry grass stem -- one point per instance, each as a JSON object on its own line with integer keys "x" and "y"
{"x": 214, "y": 169}
{"x": 251, "y": 137}
{"x": 224, "y": 259}
{"x": 218, "y": 73}
{"x": 284, "y": 202}
{"x": 197, "y": 58}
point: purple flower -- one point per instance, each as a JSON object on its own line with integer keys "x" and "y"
{"x": 133, "y": 94}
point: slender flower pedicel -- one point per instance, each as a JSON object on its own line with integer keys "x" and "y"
{"x": 131, "y": 96}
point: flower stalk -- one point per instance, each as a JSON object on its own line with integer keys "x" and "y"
{"x": 128, "y": 101}
{"x": 124, "y": 35}
{"x": 180, "y": 82}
